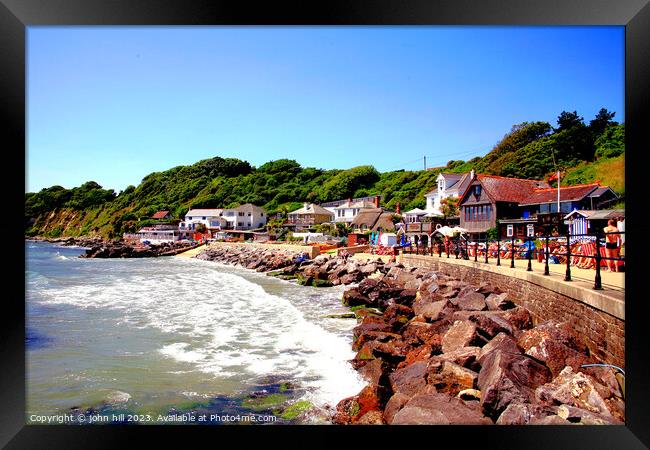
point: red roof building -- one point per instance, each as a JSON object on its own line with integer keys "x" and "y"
{"x": 520, "y": 202}
{"x": 161, "y": 215}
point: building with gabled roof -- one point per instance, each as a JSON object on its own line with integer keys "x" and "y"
{"x": 447, "y": 185}
{"x": 373, "y": 219}
{"x": 310, "y": 214}
{"x": 522, "y": 207}
{"x": 161, "y": 215}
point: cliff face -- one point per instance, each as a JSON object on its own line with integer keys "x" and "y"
{"x": 67, "y": 222}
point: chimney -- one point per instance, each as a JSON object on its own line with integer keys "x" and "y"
{"x": 376, "y": 201}
{"x": 472, "y": 175}
{"x": 305, "y": 205}
{"x": 349, "y": 201}
{"x": 398, "y": 209}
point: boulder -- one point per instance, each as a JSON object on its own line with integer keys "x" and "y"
{"x": 556, "y": 345}
{"x": 367, "y": 334}
{"x": 373, "y": 417}
{"x": 374, "y": 372}
{"x": 523, "y": 413}
{"x": 410, "y": 379}
{"x": 498, "y": 302}
{"x": 519, "y": 317}
{"x": 452, "y": 378}
{"x": 578, "y": 415}
{"x": 394, "y": 404}
{"x": 438, "y": 409}
{"x": 371, "y": 323}
{"x": 352, "y": 297}
{"x": 471, "y": 302}
{"x": 461, "y": 334}
{"x": 464, "y": 357}
{"x": 432, "y": 311}
{"x": 491, "y": 323}
{"x": 575, "y": 389}
{"x": 549, "y": 420}
{"x": 418, "y": 333}
{"x": 505, "y": 378}
{"x": 421, "y": 353}
{"x": 466, "y": 291}
{"x": 501, "y": 342}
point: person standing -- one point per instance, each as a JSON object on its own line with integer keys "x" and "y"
{"x": 612, "y": 244}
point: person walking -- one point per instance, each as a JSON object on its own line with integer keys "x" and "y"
{"x": 612, "y": 244}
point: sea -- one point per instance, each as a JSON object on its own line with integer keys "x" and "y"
{"x": 173, "y": 337}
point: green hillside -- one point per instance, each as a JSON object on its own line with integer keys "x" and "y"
{"x": 584, "y": 152}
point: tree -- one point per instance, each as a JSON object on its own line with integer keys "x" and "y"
{"x": 449, "y": 206}
{"x": 602, "y": 120}
{"x": 567, "y": 120}
{"x": 611, "y": 142}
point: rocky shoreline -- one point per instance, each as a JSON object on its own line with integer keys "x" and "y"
{"x": 437, "y": 350}
{"x": 71, "y": 241}
{"x": 100, "y": 248}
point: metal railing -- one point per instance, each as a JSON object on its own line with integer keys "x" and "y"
{"x": 579, "y": 250}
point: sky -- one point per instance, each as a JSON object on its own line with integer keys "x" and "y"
{"x": 113, "y": 104}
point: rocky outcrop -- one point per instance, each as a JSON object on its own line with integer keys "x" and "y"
{"x": 121, "y": 249}
{"x": 454, "y": 353}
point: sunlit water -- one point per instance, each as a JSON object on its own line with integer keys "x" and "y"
{"x": 171, "y": 332}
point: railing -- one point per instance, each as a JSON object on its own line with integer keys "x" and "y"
{"x": 585, "y": 251}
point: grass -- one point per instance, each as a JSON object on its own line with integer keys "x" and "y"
{"x": 264, "y": 403}
{"x": 294, "y": 410}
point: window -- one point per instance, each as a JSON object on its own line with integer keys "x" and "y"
{"x": 202, "y": 218}
{"x": 240, "y": 224}
{"x": 530, "y": 230}
{"x": 249, "y": 214}
{"x": 241, "y": 214}
{"x": 477, "y": 190}
{"x": 510, "y": 231}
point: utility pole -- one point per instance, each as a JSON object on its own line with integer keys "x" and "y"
{"x": 425, "y": 163}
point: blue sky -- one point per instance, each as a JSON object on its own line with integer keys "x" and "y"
{"x": 113, "y": 104}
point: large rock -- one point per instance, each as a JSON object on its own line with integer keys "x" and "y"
{"x": 421, "y": 353}
{"x": 464, "y": 357}
{"x": 556, "y": 345}
{"x": 461, "y": 334}
{"x": 499, "y": 302}
{"x": 452, "y": 378}
{"x": 431, "y": 307}
{"x": 523, "y": 413}
{"x": 471, "y": 302}
{"x": 519, "y": 317}
{"x": 371, "y": 323}
{"x": 418, "y": 333}
{"x": 394, "y": 405}
{"x": 353, "y": 297}
{"x": 410, "y": 379}
{"x": 438, "y": 409}
{"x": 576, "y": 389}
{"x": 501, "y": 342}
{"x": 505, "y": 378}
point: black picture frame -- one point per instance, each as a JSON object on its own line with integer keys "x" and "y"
{"x": 16, "y": 15}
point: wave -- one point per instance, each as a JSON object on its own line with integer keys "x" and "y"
{"x": 223, "y": 324}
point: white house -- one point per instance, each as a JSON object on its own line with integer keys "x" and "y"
{"x": 348, "y": 210}
{"x": 414, "y": 215}
{"x": 245, "y": 217}
{"x": 449, "y": 184}
{"x": 211, "y": 218}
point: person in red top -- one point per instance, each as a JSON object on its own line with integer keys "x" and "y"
{"x": 612, "y": 244}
